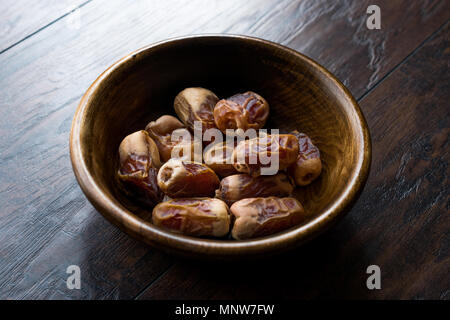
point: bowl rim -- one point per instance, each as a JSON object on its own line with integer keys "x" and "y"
{"x": 158, "y": 238}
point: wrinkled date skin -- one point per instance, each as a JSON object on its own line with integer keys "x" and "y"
{"x": 258, "y": 217}
{"x": 241, "y": 111}
{"x": 161, "y": 132}
{"x": 219, "y": 158}
{"x": 196, "y": 104}
{"x": 308, "y": 165}
{"x": 139, "y": 163}
{"x": 179, "y": 178}
{"x": 249, "y": 154}
{"x": 241, "y": 186}
{"x": 193, "y": 216}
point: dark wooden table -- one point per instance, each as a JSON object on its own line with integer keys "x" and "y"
{"x": 51, "y": 51}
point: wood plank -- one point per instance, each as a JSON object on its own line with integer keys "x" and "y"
{"x": 21, "y": 18}
{"x": 400, "y": 223}
{"x": 334, "y": 33}
{"x": 45, "y": 222}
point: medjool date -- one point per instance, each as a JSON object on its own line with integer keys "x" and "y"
{"x": 139, "y": 163}
{"x": 193, "y": 216}
{"x": 180, "y": 178}
{"x": 219, "y": 158}
{"x": 161, "y": 132}
{"x": 308, "y": 165}
{"x": 196, "y": 104}
{"x": 242, "y": 111}
{"x": 258, "y": 217}
{"x": 265, "y": 155}
{"x": 241, "y": 186}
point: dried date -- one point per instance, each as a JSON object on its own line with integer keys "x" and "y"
{"x": 193, "y": 216}
{"x": 196, "y": 104}
{"x": 173, "y": 139}
{"x": 219, "y": 158}
{"x": 258, "y": 217}
{"x": 308, "y": 165}
{"x": 270, "y": 153}
{"x": 240, "y": 186}
{"x": 242, "y": 111}
{"x": 139, "y": 163}
{"x": 180, "y": 178}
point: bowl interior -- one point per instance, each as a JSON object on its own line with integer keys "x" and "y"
{"x": 301, "y": 95}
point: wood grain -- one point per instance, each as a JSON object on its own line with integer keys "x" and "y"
{"x": 400, "y": 223}
{"x": 334, "y": 33}
{"x": 40, "y": 204}
{"x": 45, "y": 221}
{"x": 20, "y": 19}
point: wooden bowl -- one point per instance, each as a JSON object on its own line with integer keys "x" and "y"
{"x": 301, "y": 93}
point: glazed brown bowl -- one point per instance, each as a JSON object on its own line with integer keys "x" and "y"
{"x": 302, "y": 95}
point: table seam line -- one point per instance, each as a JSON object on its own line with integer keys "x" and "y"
{"x": 403, "y": 61}
{"x": 44, "y": 27}
{"x": 153, "y": 281}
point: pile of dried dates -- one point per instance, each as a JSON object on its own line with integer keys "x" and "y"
{"x": 200, "y": 184}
